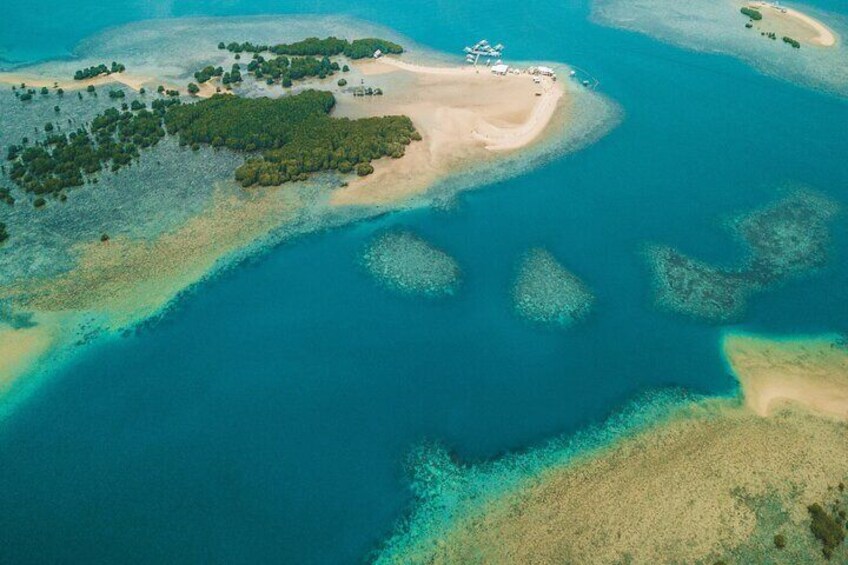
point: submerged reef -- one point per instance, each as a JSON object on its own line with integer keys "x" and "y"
{"x": 788, "y": 238}
{"x": 696, "y": 481}
{"x": 693, "y": 287}
{"x": 406, "y": 263}
{"x": 545, "y": 292}
{"x": 711, "y": 26}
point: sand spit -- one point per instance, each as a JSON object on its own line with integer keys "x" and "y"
{"x": 464, "y": 114}
{"x": 812, "y": 373}
{"x": 136, "y": 82}
{"x": 714, "y": 482}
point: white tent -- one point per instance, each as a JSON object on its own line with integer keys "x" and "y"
{"x": 500, "y": 69}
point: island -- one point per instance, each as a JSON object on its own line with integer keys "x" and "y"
{"x": 801, "y": 44}
{"x": 268, "y": 143}
{"x": 796, "y": 28}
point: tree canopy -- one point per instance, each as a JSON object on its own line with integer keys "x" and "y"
{"x": 327, "y": 47}
{"x": 295, "y": 134}
{"x": 101, "y": 69}
{"x": 289, "y": 137}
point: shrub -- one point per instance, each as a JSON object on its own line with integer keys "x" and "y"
{"x": 39, "y": 202}
{"x": 364, "y": 169}
{"x": 795, "y": 44}
{"x": 342, "y": 82}
{"x": 752, "y": 13}
{"x": 779, "y": 541}
{"x": 827, "y": 530}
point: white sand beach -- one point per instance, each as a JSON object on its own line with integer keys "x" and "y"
{"x": 793, "y": 23}
{"x": 464, "y": 114}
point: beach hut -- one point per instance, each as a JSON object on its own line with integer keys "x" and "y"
{"x": 545, "y": 71}
{"x": 378, "y": 54}
{"x": 500, "y": 69}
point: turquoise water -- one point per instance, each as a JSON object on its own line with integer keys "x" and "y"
{"x": 268, "y": 415}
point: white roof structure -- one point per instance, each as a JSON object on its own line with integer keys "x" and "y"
{"x": 545, "y": 70}
{"x": 500, "y": 69}
{"x": 378, "y": 54}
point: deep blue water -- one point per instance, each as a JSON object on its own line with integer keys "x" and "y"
{"x": 267, "y": 416}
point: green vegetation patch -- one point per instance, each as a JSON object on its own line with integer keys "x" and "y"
{"x": 826, "y": 529}
{"x": 314, "y": 47}
{"x": 4, "y": 235}
{"x": 794, "y": 43}
{"x": 295, "y": 134}
{"x": 101, "y": 69}
{"x": 112, "y": 140}
{"x": 6, "y": 196}
{"x": 207, "y": 73}
{"x": 284, "y": 69}
{"x": 752, "y": 13}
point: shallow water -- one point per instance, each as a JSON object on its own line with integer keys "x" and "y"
{"x": 268, "y": 415}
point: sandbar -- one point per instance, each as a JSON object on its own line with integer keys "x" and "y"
{"x": 464, "y": 114}
{"x": 795, "y": 24}
{"x": 812, "y": 373}
{"x": 134, "y": 81}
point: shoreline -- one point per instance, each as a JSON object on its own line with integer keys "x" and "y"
{"x": 682, "y": 472}
{"x": 133, "y": 81}
{"x": 20, "y": 351}
{"x": 825, "y": 37}
{"x": 473, "y": 116}
{"x": 127, "y": 281}
{"x": 811, "y": 373}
